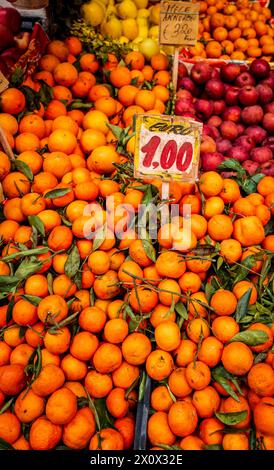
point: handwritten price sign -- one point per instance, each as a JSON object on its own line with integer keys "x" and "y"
{"x": 167, "y": 147}
{"x": 179, "y": 23}
{"x": 4, "y": 84}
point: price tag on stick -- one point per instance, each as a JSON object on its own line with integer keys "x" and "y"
{"x": 179, "y": 23}
{"x": 4, "y": 83}
{"x": 167, "y": 147}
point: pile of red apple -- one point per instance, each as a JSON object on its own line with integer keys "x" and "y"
{"x": 237, "y": 109}
{"x": 13, "y": 42}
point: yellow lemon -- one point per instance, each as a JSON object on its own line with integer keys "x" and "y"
{"x": 127, "y": 9}
{"x": 130, "y": 28}
{"x": 93, "y": 13}
{"x": 155, "y": 14}
{"x": 112, "y": 28}
{"x": 149, "y": 48}
{"x": 141, "y": 3}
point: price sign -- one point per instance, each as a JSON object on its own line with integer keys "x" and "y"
{"x": 4, "y": 84}
{"x": 167, "y": 147}
{"x": 179, "y": 23}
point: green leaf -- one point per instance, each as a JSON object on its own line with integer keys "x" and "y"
{"x": 72, "y": 263}
{"x": 149, "y": 250}
{"x": 231, "y": 164}
{"x": 142, "y": 386}
{"x": 220, "y": 262}
{"x": 231, "y": 419}
{"x": 116, "y": 131}
{"x": 213, "y": 447}
{"x": 7, "y": 405}
{"x": 99, "y": 238}
{"x": 7, "y": 283}
{"x": 4, "y": 445}
{"x": 34, "y": 221}
{"x": 46, "y": 92}
{"x": 250, "y": 337}
{"x": 50, "y": 283}
{"x": 92, "y": 407}
{"x": 180, "y": 308}
{"x": 242, "y": 305}
{"x": 32, "y": 299}
{"x": 62, "y": 448}
{"x": 24, "y": 168}
{"x": 22, "y": 331}
{"x": 209, "y": 291}
{"x": 22, "y": 254}
{"x": 9, "y": 310}
{"x": 261, "y": 357}
{"x": 59, "y": 192}
{"x": 220, "y": 375}
{"x": 28, "y": 267}
{"x": 252, "y": 438}
{"x": 251, "y": 185}
{"x": 92, "y": 296}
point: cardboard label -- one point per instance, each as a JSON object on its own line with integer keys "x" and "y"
{"x": 4, "y": 83}
{"x": 179, "y": 23}
{"x": 167, "y": 147}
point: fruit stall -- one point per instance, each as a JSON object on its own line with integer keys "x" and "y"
{"x": 136, "y": 225}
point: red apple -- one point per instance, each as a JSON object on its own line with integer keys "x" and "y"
{"x": 215, "y": 89}
{"x": 183, "y": 106}
{"x": 244, "y": 79}
{"x": 252, "y": 114}
{"x": 241, "y": 128}
{"x": 189, "y": 85}
{"x": 201, "y": 72}
{"x": 261, "y": 154}
{"x": 231, "y": 95}
{"x": 182, "y": 70}
{"x": 268, "y": 122}
{"x": 265, "y": 93}
{"x": 215, "y": 74}
{"x": 268, "y": 168}
{"x": 268, "y": 81}
{"x": 22, "y": 40}
{"x": 218, "y": 106}
{"x": 248, "y": 95}
{"x": 239, "y": 153}
{"x": 260, "y": 68}
{"x": 10, "y": 18}
{"x": 246, "y": 142}
{"x": 251, "y": 167}
{"x": 214, "y": 132}
{"x": 229, "y": 130}
{"x": 211, "y": 161}
{"x": 206, "y": 129}
{"x": 204, "y": 108}
{"x": 257, "y": 133}
{"x": 223, "y": 145}
{"x": 233, "y": 113}
{"x": 229, "y": 72}
{"x": 6, "y": 37}
{"x": 269, "y": 108}
{"x": 269, "y": 142}
{"x": 184, "y": 95}
{"x": 215, "y": 121}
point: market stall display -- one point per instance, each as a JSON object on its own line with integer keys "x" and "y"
{"x": 135, "y": 313}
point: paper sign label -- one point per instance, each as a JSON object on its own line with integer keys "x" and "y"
{"x": 4, "y": 83}
{"x": 167, "y": 147}
{"x": 179, "y": 23}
